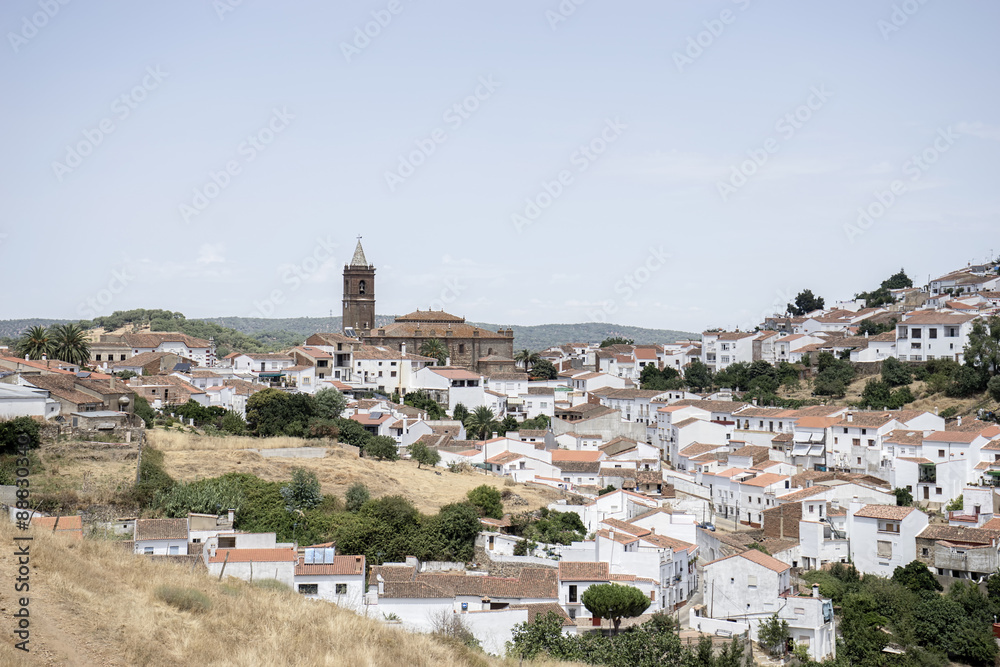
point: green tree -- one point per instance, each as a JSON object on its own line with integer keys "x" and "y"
{"x": 698, "y": 375}
{"x": 916, "y": 577}
{"x": 487, "y": 499}
{"x": 18, "y": 432}
{"x": 268, "y": 412}
{"x": 527, "y": 358}
{"x": 303, "y": 491}
{"x": 330, "y": 403}
{"x": 772, "y": 635}
{"x": 543, "y": 370}
{"x": 833, "y": 375}
{"x": 903, "y": 497}
{"x": 356, "y": 496}
{"x": 614, "y": 602}
{"x": 432, "y": 347}
{"x": 993, "y": 387}
{"x": 895, "y": 373}
{"x": 616, "y": 340}
{"x": 543, "y": 637}
{"x": 424, "y": 455}
{"x": 382, "y": 447}
{"x": 71, "y": 343}
{"x": 508, "y": 424}
{"x": 421, "y": 401}
{"x": 351, "y": 432}
{"x": 956, "y": 504}
{"x": 982, "y": 352}
{"x": 451, "y": 534}
{"x": 805, "y": 302}
{"x": 460, "y": 412}
{"x": 34, "y": 343}
{"x": 142, "y": 408}
{"x": 481, "y": 423}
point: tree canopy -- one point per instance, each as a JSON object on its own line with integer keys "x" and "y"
{"x": 614, "y": 602}
{"x": 805, "y": 302}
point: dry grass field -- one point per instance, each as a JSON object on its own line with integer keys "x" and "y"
{"x": 189, "y": 457}
{"x": 91, "y": 603}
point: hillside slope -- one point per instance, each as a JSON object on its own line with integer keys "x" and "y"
{"x": 92, "y": 603}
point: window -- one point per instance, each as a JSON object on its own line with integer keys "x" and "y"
{"x": 941, "y": 453}
{"x": 937, "y": 491}
{"x": 752, "y": 581}
{"x": 122, "y": 357}
{"x": 932, "y": 333}
{"x": 859, "y": 460}
{"x": 309, "y": 589}
{"x": 227, "y": 542}
{"x": 362, "y": 286}
{"x": 856, "y": 442}
{"x": 97, "y": 357}
{"x": 884, "y": 549}
{"x": 572, "y": 593}
{"x": 392, "y": 374}
{"x": 925, "y": 552}
{"x": 871, "y": 443}
{"x": 174, "y": 550}
{"x": 147, "y": 550}
{"x": 916, "y": 333}
{"x": 340, "y": 589}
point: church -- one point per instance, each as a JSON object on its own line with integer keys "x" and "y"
{"x": 480, "y": 350}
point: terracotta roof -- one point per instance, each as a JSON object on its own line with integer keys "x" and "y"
{"x": 583, "y": 571}
{"x": 904, "y": 437}
{"x": 59, "y": 524}
{"x": 758, "y": 557}
{"x": 713, "y": 406}
{"x": 255, "y": 556}
{"x": 866, "y": 419}
{"x": 392, "y": 573}
{"x": 545, "y": 608}
{"x": 936, "y": 317}
{"x": 802, "y": 494}
{"x": 161, "y": 529}
{"x": 816, "y": 422}
{"x": 891, "y": 512}
{"x": 504, "y": 457}
{"x": 982, "y": 535}
{"x": 913, "y": 459}
{"x": 560, "y": 455}
{"x": 341, "y": 565}
{"x": 429, "y": 316}
{"x": 590, "y": 467}
{"x": 766, "y": 479}
{"x": 952, "y": 436}
{"x": 697, "y": 449}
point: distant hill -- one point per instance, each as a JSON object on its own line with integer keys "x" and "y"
{"x": 279, "y": 333}
{"x": 536, "y": 337}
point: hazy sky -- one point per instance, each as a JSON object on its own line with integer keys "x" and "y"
{"x": 664, "y": 164}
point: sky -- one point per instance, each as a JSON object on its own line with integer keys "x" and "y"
{"x": 666, "y": 164}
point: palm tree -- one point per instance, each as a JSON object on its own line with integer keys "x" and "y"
{"x": 71, "y": 344}
{"x": 34, "y": 343}
{"x": 527, "y": 358}
{"x": 481, "y": 422}
{"x": 432, "y": 347}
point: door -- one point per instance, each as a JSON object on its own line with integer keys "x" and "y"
{"x": 927, "y": 493}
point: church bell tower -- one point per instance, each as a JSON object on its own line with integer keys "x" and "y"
{"x": 359, "y": 293}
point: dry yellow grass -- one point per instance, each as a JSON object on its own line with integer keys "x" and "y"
{"x": 176, "y": 441}
{"x": 336, "y": 472}
{"x": 94, "y": 604}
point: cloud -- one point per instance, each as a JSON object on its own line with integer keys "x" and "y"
{"x": 211, "y": 253}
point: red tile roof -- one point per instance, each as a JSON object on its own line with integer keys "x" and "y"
{"x": 255, "y": 556}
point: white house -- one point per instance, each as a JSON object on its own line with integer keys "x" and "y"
{"x": 323, "y": 575}
{"x": 254, "y": 564}
{"x": 450, "y": 386}
{"x": 924, "y": 335}
{"x": 161, "y": 537}
{"x": 18, "y": 401}
{"x": 883, "y": 536}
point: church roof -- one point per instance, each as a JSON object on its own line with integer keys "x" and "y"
{"x": 429, "y": 316}
{"x": 359, "y": 256}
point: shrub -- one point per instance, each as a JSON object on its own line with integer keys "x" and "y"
{"x": 356, "y": 496}
{"x": 184, "y": 599}
{"x": 17, "y": 431}
{"x": 488, "y": 500}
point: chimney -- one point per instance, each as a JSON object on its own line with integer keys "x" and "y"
{"x": 495, "y": 436}
{"x": 45, "y": 357}
{"x": 447, "y": 361}
{"x": 402, "y": 349}
{"x": 381, "y": 584}
{"x": 850, "y": 416}
{"x": 959, "y": 422}
{"x": 231, "y": 515}
{"x": 815, "y": 590}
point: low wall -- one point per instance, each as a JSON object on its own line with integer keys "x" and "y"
{"x": 685, "y": 484}
{"x": 292, "y": 453}
{"x": 712, "y": 626}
